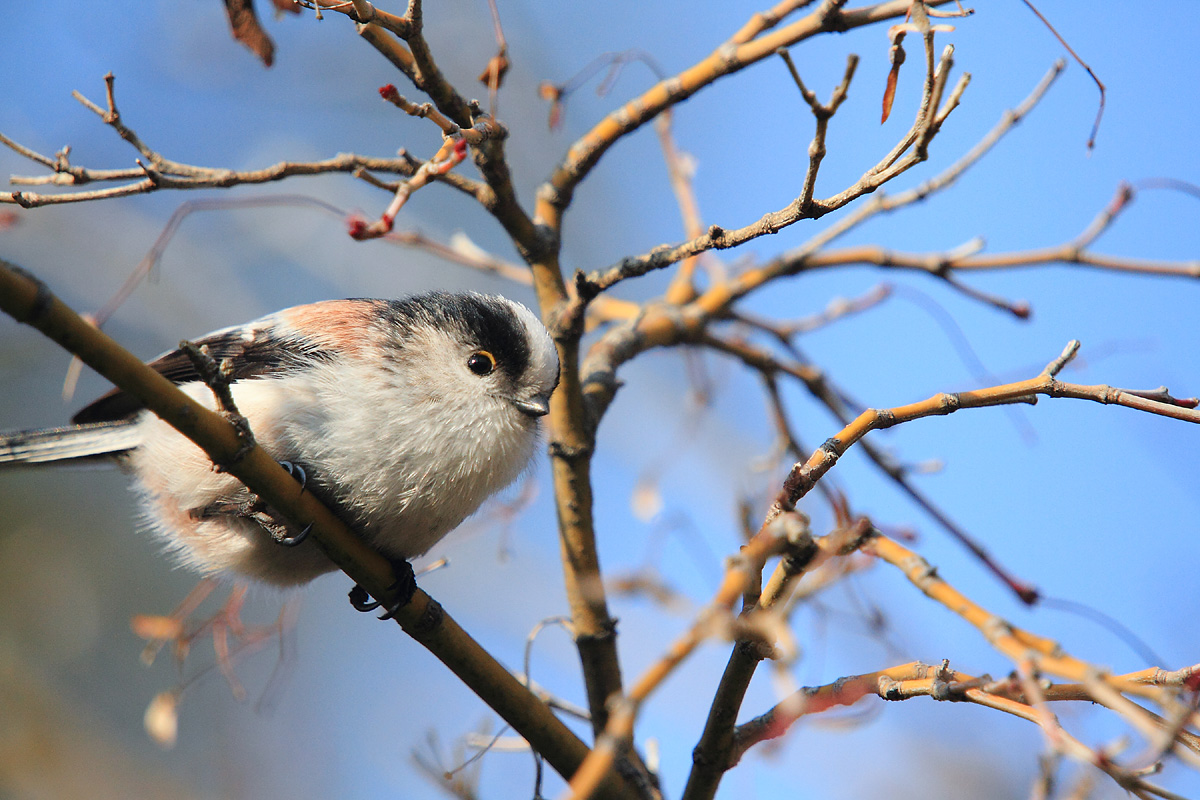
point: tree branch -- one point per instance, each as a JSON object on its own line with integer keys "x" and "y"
{"x": 758, "y": 39}
{"x": 915, "y": 679}
{"x": 784, "y": 534}
{"x": 186, "y": 176}
{"x": 793, "y": 261}
{"x": 804, "y": 476}
{"x": 718, "y": 238}
{"x": 28, "y": 300}
{"x": 944, "y": 265}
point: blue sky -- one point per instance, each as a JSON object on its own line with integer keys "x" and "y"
{"x": 1093, "y": 504}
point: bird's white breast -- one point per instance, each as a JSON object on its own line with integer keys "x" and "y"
{"x": 422, "y": 463}
{"x": 405, "y": 467}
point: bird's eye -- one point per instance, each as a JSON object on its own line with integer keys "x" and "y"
{"x": 481, "y": 363}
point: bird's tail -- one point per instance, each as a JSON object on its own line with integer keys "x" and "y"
{"x": 72, "y": 443}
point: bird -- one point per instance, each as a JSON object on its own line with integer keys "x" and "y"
{"x": 403, "y": 416}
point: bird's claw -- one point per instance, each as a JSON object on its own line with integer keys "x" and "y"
{"x": 361, "y": 600}
{"x": 294, "y": 468}
{"x": 403, "y": 589}
{"x": 278, "y": 531}
{"x": 292, "y": 541}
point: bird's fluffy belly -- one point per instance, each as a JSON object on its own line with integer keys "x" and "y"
{"x": 402, "y": 505}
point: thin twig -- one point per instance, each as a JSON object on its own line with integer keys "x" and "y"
{"x": 760, "y": 38}
{"x": 795, "y": 260}
{"x": 818, "y": 385}
{"x": 186, "y": 176}
{"x": 804, "y": 476}
{"x": 1091, "y": 142}
{"x": 823, "y": 113}
{"x": 742, "y": 570}
{"x": 915, "y": 679}
{"x": 718, "y": 238}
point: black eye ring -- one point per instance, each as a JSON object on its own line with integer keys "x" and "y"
{"x": 481, "y": 363}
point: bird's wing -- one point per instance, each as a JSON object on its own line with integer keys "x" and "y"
{"x": 273, "y": 345}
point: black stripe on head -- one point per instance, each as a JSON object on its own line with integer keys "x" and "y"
{"x": 487, "y": 323}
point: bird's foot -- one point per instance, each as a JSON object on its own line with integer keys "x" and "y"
{"x": 280, "y": 532}
{"x": 402, "y": 590}
{"x": 251, "y": 506}
{"x": 296, "y": 471}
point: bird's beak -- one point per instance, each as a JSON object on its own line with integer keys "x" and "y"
{"x": 537, "y": 406}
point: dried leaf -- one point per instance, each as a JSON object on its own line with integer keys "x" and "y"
{"x": 155, "y": 627}
{"x": 554, "y": 94}
{"x": 247, "y": 30}
{"x": 896, "y": 56}
{"x": 497, "y": 66}
{"x": 162, "y": 719}
{"x": 889, "y": 92}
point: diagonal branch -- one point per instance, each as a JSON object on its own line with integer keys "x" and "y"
{"x": 819, "y": 387}
{"x": 425, "y": 74}
{"x": 804, "y": 476}
{"x": 715, "y": 753}
{"x": 758, "y": 39}
{"x": 946, "y": 265}
{"x": 915, "y": 142}
{"x": 28, "y": 300}
{"x": 786, "y": 535}
{"x": 793, "y": 261}
{"x": 1035, "y": 655}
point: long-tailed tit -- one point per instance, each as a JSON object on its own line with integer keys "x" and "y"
{"x": 403, "y": 416}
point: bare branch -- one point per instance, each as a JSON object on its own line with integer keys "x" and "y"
{"x": 945, "y": 265}
{"x": 682, "y": 287}
{"x": 1091, "y": 142}
{"x": 915, "y": 679}
{"x": 820, "y": 388}
{"x": 823, "y": 113}
{"x": 30, "y": 301}
{"x": 804, "y": 476}
{"x": 890, "y": 166}
{"x": 795, "y": 260}
{"x": 758, "y": 39}
{"x": 173, "y": 175}
{"x": 450, "y": 155}
{"x": 367, "y": 13}
{"x": 783, "y": 535}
